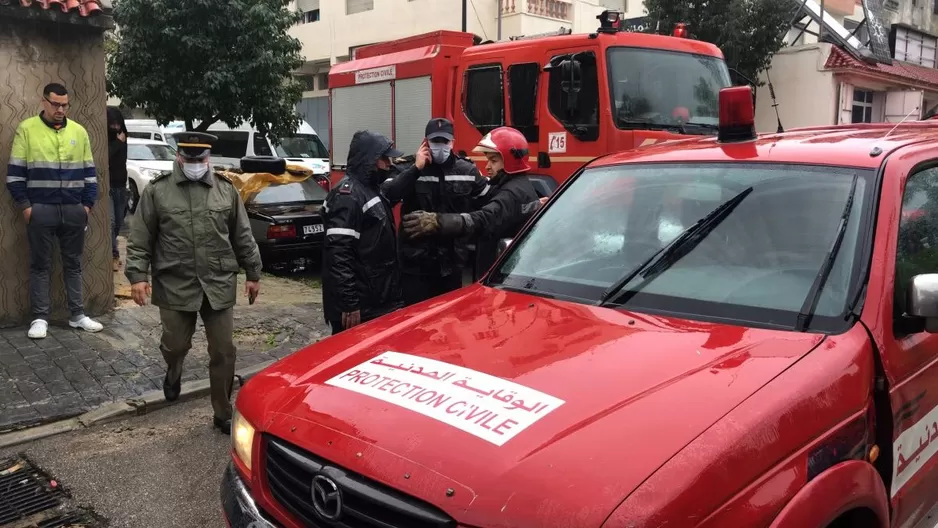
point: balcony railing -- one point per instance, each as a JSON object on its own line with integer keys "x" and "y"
{"x": 556, "y": 9}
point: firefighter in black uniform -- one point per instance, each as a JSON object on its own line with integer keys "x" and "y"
{"x": 504, "y": 206}
{"x": 360, "y": 273}
{"x": 437, "y": 181}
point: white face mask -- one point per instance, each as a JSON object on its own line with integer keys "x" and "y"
{"x": 440, "y": 152}
{"x": 194, "y": 171}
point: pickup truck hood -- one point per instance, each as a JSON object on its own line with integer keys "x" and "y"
{"x": 634, "y": 389}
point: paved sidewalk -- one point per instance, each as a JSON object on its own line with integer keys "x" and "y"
{"x": 71, "y": 371}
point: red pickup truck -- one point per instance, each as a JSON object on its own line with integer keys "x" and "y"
{"x": 750, "y": 342}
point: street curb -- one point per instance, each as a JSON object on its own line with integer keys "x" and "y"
{"x": 109, "y": 412}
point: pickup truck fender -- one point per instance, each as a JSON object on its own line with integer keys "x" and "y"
{"x": 844, "y": 487}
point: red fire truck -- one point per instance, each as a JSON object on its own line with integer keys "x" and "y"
{"x": 574, "y": 96}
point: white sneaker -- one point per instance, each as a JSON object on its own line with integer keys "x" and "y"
{"x": 87, "y": 324}
{"x": 38, "y": 329}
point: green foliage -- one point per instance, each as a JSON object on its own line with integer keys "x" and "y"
{"x": 748, "y": 31}
{"x": 208, "y": 60}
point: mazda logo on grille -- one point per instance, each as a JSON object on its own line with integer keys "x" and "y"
{"x": 327, "y": 499}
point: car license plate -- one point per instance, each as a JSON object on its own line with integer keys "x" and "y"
{"x": 312, "y": 229}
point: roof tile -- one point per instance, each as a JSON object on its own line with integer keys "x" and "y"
{"x": 82, "y": 7}
{"x": 840, "y": 60}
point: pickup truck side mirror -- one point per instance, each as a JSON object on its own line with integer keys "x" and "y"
{"x": 922, "y": 300}
{"x": 505, "y": 242}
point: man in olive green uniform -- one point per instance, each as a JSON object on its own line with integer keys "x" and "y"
{"x": 192, "y": 231}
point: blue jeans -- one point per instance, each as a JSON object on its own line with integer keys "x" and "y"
{"x": 118, "y": 210}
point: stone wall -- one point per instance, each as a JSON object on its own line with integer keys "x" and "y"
{"x": 34, "y": 52}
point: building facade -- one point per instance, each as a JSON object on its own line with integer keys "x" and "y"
{"x": 331, "y": 30}
{"x": 823, "y": 83}
{"x": 42, "y": 43}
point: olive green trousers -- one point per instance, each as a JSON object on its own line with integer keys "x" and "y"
{"x": 178, "y": 328}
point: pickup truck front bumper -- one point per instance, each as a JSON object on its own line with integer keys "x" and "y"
{"x": 238, "y": 505}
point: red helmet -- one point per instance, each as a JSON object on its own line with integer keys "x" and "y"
{"x": 512, "y": 146}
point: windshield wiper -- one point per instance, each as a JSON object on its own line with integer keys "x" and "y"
{"x": 647, "y": 124}
{"x": 705, "y": 126}
{"x": 814, "y": 294}
{"x": 665, "y": 257}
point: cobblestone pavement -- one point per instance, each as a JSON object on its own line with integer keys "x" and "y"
{"x": 71, "y": 371}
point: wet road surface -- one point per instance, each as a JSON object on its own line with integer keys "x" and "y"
{"x": 161, "y": 469}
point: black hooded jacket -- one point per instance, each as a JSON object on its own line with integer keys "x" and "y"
{"x": 360, "y": 270}
{"x": 501, "y": 212}
{"x": 117, "y": 150}
{"x": 450, "y": 187}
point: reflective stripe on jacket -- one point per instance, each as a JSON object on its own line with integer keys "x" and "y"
{"x": 51, "y": 166}
{"x": 450, "y": 187}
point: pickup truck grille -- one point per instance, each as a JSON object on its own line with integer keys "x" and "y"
{"x": 364, "y": 502}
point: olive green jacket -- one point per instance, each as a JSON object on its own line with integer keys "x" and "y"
{"x": 194, "y": 236}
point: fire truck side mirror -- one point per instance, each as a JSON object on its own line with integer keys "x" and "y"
{"x": 570, "y": 72}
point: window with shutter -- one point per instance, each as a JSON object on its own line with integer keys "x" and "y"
{"x": 358, "y": 6}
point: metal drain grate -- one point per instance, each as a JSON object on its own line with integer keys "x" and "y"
{"x": 72, "y": 520}
{"x": 30, "y": 499}
{"x": 24, "y": 491}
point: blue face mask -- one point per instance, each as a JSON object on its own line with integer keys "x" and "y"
{"x": 440, "y": 152}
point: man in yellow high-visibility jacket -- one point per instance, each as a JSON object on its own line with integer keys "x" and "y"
{"x": 52, "y": 178}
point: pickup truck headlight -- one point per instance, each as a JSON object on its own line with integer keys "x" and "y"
{"x": 242, "y": 438}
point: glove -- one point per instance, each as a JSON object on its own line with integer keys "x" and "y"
{"x": 420, "y": 223}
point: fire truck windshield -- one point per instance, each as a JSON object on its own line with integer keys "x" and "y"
{"x": 655, "y": 89}
{"x": 755, "y": 264}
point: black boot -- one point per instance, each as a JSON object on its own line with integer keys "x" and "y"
{"x": 222, "y": 425}
{"x": 172, "y": 390}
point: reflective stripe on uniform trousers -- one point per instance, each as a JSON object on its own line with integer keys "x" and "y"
{"x": 342, "y": 231}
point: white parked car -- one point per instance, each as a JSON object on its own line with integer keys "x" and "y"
{"x": 145, "y": 159}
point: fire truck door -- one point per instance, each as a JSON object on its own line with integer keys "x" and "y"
{"x": 569, "y": 111}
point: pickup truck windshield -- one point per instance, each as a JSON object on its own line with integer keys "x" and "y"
{"x": 756, "y": 266}
{"x": 302, "y": 146}
{"x": 666, "y": 89}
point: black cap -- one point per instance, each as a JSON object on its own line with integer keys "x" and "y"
{"x": 439, "y": 127}
{"x": 194, "y": 145}
{"x": 388, "y": 147}
{"x": 393, "y": 152}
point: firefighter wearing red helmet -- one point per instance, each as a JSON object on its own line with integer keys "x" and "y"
{"x": 504, "y": 205}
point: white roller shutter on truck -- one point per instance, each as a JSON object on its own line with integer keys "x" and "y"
{"x": 412, "y": 100}
{"x": 354, "y": 108}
